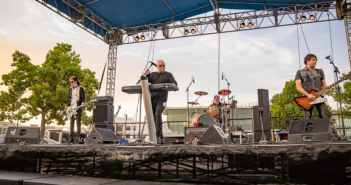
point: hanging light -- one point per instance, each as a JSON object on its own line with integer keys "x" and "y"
{"x": 242, "y": 25}
{"x": 136, "y": 38}
{"x": 312, "y": 17}
{"x": 186, "y": 32}
{"x": 193, "y": 31}
{"x": 303, "y": 18}
{"x": 142, "y": 37}
{"x": 250, "y": 24}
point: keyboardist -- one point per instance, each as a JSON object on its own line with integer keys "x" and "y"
{"x": 159, "y": 97}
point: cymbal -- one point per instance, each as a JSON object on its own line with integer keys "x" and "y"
{"x": 224, "y": 92}
{"x": 193, "y": 103}
{"x": 201, "y": 93}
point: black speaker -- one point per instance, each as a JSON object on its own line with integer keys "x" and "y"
{"x": 101, "y": 136}
{"x": 190, "y": 133}
{"x": 104, "y": 100}
{"x": 103, "y": 113}
{"x": 105, "y": 125}
{"x": 22, "y": 134}
{"x": 263, "y": 98}
{"x": 313, "y": 130}
{"x": 214, "y": 135}
{"x": 256, "y": 122}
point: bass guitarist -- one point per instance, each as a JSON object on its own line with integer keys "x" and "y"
{"x": 76, "y": 98}
{"x": 311, "y": 78}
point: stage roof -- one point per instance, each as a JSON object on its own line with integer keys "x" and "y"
{"x": 129, "y": 13}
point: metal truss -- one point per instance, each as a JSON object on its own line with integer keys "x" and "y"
{"x": 347, "y": 21}
{"x": 78, "y": 14}
{"x": 111, "y": 69}
{"x": 222, "y": 23}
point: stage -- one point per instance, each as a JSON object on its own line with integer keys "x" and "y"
{"x": 308, "y": 162}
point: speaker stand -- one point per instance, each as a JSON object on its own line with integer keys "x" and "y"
{"x": 263, "y": 139}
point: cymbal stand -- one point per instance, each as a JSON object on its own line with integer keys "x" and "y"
{"x": 187, "y": 100}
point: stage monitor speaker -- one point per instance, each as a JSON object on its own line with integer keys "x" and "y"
{"x": 313, "y": 130}
{"x": 263, "y": 98}
{"x": 22, "y": 134}
{"x": 256, "y": 122}
{"x": 190, "y": 133}
{"x": 214, "y": 135}
{"x": 101, "y": 136}
{"x": 103, "y": 113}
{"x": 104, "y": 100}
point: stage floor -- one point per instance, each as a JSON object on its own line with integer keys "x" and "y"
{"x": 308, "y": 162}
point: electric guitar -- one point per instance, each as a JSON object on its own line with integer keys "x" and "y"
{"x": 307, "y": 104}
{"x": 71, "y": 111}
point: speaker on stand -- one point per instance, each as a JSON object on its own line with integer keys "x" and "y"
{"x": 103, "y": 112}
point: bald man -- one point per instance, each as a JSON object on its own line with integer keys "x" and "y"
{"x": 159, "y": 97}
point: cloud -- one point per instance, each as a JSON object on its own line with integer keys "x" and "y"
{"x": 23, "y": 25}
{"x": 65, "y": 26}
{"x": 30, "y": 12}
{"x": 90, "y": 42}
{"x": 2, "y": 32}
{"x": 55, "y": 33}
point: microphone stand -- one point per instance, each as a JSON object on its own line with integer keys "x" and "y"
{"x": 187, "y": 95}
{"x": 228, "y": 84}
{"x": 144, "y": 74}
{"x": 336, "y": 71}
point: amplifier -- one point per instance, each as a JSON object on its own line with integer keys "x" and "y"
{"x": 313, "y": 130}
{"x": 190, "y": 133}
{"x": 22, "y": 134}
{"x": 214, "y": 135}
{"x": 104, "y": 100}
{"x": 103, "y": 113}
{"x": 256, "y": 123}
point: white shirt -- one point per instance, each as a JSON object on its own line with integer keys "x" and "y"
{"x": 74, "y": 96}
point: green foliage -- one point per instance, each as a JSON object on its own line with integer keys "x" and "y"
{"x": 47, "y": 96}
{"x": 283, "y": 105}
{"x": 345, "y": 94}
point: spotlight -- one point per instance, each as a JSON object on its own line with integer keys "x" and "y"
{"x": 242, "y": 25}
{"x": 193, "y": 31}
{"x": 142, "y": 37}
{"x": 136, "y": 38}
{"x": 303, "y": 18}
{"x": 186, "y": 32}
{"x": 250, "y": 24}
{"x": 312, "y": 17}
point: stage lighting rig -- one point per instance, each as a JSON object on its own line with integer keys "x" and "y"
{"x": 136, "y": 38}
{"x": 142, "y": 37}
{"x": 186, "y": 31}
{"x": 303, "y": 18}
{"x": 242, "y": 25}
{"x": 193, "y": 31}
{"x": 312, "y": 17}
{"x": 250, "y": 24}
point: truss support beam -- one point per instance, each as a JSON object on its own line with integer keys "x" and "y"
{"x": 347, "y": 22}
{"x": 111, "y": 69}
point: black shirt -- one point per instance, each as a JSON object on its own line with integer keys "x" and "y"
{"x": 310, "y": 79}
{"x": 158, "y": 78}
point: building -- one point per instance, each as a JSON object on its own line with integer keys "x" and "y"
{"x": 4, "y": 126}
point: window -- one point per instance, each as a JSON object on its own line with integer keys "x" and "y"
{"x": 4, "y": 130}
{"x": 0, "y": 130}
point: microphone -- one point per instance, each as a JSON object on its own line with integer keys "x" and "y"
{"x": 153, "y": 64}
{"x": 193, "y": 79}
{"x": 327, "y": 57}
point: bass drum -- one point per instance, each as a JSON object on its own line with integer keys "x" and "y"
{"x": 206, "y": 121}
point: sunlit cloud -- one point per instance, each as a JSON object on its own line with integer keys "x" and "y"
{"x": 23, "y": 25}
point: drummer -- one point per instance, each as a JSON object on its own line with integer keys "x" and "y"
{"x": 214, "y": 109}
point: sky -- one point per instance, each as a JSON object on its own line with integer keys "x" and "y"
{"x": 262, "y": 58}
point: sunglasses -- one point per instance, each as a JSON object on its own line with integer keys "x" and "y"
{"x": 71, "y": 82}
{"x": 164, "y": 65}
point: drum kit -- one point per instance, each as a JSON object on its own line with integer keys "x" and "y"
{"x": 213, "y": 117}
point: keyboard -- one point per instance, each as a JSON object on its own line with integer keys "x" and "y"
{"x": 136, "y": 89}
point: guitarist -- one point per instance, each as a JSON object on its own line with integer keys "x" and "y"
{"x": 311, "y": 78}
{"x": 76, "y": 98}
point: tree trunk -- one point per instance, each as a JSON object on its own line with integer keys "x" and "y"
{"x": 42, "y": 127}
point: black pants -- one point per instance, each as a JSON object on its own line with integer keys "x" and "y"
{"x": 157, "y": 109}
{"x": 320, "y": 108}
{"x": 78, "y": 118}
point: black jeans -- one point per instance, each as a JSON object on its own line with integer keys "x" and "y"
{"x": 157, "y": 109}
{"x": 320, "y": 108}
{"x": 78, "y": 118}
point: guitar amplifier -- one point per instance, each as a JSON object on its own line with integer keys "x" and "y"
{"x": 190, "y": 133}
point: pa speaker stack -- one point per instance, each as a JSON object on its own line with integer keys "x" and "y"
{"x": 103, "y": 112}
{"x": 263, "y": 108}
{"x": 22, "y": 135}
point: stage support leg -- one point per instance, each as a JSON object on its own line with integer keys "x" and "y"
{"x": 177, "y": 156}
{"x": 194, "y": 166}
{"x": 111, "y": 69}
{"x": 148, "y": 109}
{"x": 159, "y": 169}
{"x": 347, "y": 22}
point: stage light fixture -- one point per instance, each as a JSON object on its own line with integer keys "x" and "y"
{"x": 242, "y": 25}
{"x": 142, "y": 37}
{"x": 303, "y": 18}
{"x": 136, "y": 38}
{"x": 250, "y": 24}
{"x": 193, "y": 31}
{"x": 312, "y": 17}
{"x": 186, "y": 32}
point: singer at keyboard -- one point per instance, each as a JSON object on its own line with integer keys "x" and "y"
{"x": 159, "y": 97}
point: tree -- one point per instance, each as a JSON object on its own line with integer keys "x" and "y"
{"x": 45, "y": 86}
{"x": 345, "y": 94}
{"x": 283, "y": 105}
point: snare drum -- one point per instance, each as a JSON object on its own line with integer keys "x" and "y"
{"x": 206, "y": 121}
